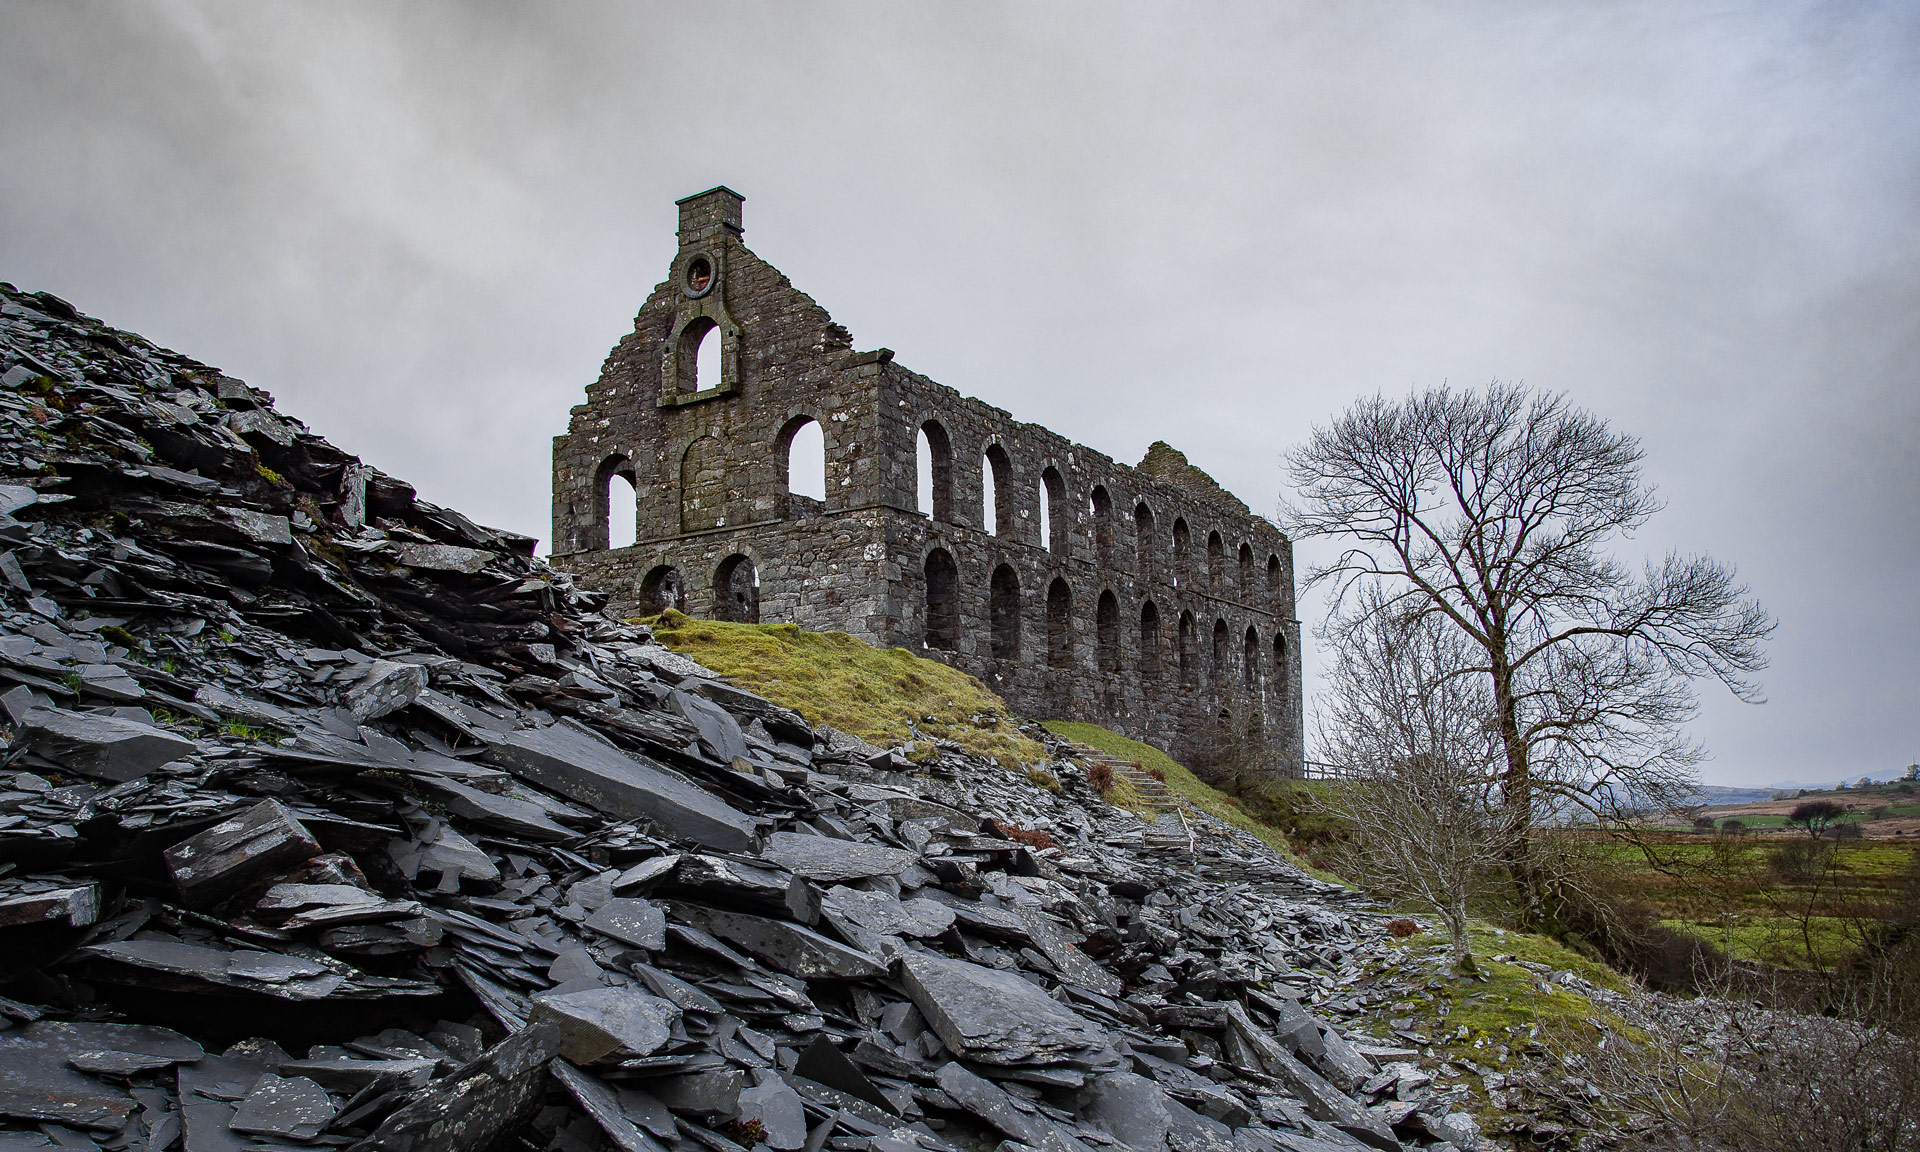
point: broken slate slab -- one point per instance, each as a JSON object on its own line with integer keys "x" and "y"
{"x": 37, "y": 1083}
{"x": 877, "y": 912}
{"x": 261, "y": 841}
{"x": 1133, "y": 1108}
{"x": 294, "y": 1108}
{"x": 386, "y": 687}
{"x": 598, "y": 1101}
{"x": 718, "y": 880}
{"x": 719, "y": 731}
{"x": 471, "y": 1107}
{"x": 827, "y": 859}
{"x": 639, "y": 923}
{"x": 778, "y": 1110}
{"x": 1323, "y": 1101}
{"x": 790, "y": 948}
{"x": 992, "y": 1016}
{"x": 991, "y": 1103}
{"x": 578, "y": 763}
{"x": 105, "y": 747}
{"x": 598, "y": 1021}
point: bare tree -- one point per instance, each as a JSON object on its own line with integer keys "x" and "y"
{"x": 1491, "y": 511}
{"x": 1416, "y": 738}
{"x": 1815, "y": 815}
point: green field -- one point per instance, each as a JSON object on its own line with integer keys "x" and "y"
{"x": 1783, "y": 900}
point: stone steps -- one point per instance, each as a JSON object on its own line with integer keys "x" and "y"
{"x": 1158, "y": 801}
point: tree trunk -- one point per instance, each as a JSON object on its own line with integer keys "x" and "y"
{"x": 1533, "y": 894}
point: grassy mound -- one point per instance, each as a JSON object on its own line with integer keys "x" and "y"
{"x": 878, "y": 694}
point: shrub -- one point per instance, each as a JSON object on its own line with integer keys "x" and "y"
{"x": 1703, "y": 823}
{"x": 1733, "y": 826}
{"x": 1159, "y": 774}
{"x": 1031, "y": 838}
{"x": 1402, "y": 928}
{"x": 1799, "y": 860}
{"x": 1101, "y": 777}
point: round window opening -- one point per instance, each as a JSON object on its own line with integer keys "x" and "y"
{"x": 699, "y": 276}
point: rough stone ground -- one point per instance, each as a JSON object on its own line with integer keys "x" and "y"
{"x": 331, "y": 819}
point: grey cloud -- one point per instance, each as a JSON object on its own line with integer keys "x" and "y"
{"x": 422, "y": 226}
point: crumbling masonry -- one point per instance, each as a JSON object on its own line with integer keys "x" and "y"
{"x": 1153, "y": 601}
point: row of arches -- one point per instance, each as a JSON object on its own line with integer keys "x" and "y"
{"x": 1138, "y": 643}
{"x": 1000, "y": 517}
{"x": 736, "y": 590}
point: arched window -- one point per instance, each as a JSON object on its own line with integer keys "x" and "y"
{"x": 1056, "y": 519}
{"x": 1217, "y": 665}
{"x": 1106, "y": 631}
{"x": 662, "y": 589}
{"x": 1182, "y": 553}
{"x": 1059, "y": 624}
{"x": 1281, "y": 667}
{"x": 1273, "y": 582}
{"x": 1246, "y": 572}
{"x": 703, "y": 486}
{"x": 1143, "y": 540}
{"x": 736, "y": 591}
{"x": 1003, "y": 613}
{"x": 1184, "y": 648}
{"x": 1100, "y": 505}
{"x": 1250, "y": 660}
{"x": 934, "y": 456}
{"x": 943, "y": 601}
{"x": 697, "y": 355}
{"x": 806, "y": 456}
{"x": 616, "y": 513}
{"x": 1216, "y": 560}
{"x": 1149, "y": 639}
{"x": 998, "y": 513}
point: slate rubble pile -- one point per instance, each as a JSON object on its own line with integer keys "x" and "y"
{"x": 331, "y": 819}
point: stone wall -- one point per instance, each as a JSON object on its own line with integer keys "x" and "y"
{"x": 1145, "y": 598}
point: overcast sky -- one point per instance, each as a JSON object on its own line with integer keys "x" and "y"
{"x": 422, "y": 227}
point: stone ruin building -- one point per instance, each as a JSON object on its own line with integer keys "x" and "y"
{"x": 1147, "y": 598}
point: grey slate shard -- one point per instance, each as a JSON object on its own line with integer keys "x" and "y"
{"x": 790, "y": 948}
{"x": 261, "y": 841}
{"x": 640, "y": 923}
{"x": 827, "y": 859}
{"x": 778, "y": 1110}
{"x": 470, "y": 1108}
{"x": 719, "y": 731}
{"x": 76, "y": 904}
{"x": 718, "y": 880}
{"x": 386, "y": 687}
{"x": 991, "y": 1016}
{"x": 712, "y": 1095}
{"x": 1323, "y": 1101}
{"x": 442, "y": 557}
{"x": 293, "y": 1108}
{"x": 1133, "y": 1108}
{"x": 991, "y": 1103}
{"x": 581, "y": 765}
{"x": 1048, "y": 936}
{"x": 37, "y": 1083}
{"x": 350, "y": 1076}
{"x": 105, "y": 747}
{"x": 823, "y": 1063}
{"x": 283, "y": 977}
{"x": 599, "y": 1021}
{"x": 506, "y": 814}
{"x": 600, "y": 1102}
{"x": 878, "y": 912}
{"x": 208, "y": 1090}
{"x": 239, "y": 707}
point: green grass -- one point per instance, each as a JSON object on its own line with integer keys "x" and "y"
{"x": 881, "y": 695}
